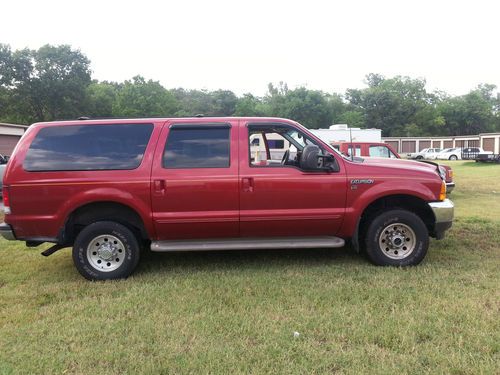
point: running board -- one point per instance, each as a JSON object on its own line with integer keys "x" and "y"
{"x": 247, "y": 244}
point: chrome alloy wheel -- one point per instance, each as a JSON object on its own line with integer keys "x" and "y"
{"x": 397, "y": 241}
{"x": 106, "y": 253}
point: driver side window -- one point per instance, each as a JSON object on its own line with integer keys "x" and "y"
{"x": 275, "y": 145}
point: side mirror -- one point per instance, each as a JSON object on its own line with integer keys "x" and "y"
{"x": 311, "y": 160}
{"x": 330, "y": 163}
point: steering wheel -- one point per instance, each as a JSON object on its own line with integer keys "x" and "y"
{"x": 285, "y": 157}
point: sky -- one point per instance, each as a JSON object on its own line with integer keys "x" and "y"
{"x": 244, "y": 45}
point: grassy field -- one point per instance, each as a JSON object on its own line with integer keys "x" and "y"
{"x": 236, "y": 312}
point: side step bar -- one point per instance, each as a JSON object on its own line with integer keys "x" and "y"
{"x": 247, "y": 244}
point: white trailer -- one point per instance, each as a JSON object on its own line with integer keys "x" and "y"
{"x": 342, "y": 133}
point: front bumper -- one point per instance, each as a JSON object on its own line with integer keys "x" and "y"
{"x": 443, "y": 212}
{"x": 7, "y": 232}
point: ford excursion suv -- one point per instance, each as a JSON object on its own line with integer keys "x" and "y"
{"x": 113, "y": 188}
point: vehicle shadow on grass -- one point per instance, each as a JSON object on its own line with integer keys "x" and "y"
{"x": 194, "y": 261}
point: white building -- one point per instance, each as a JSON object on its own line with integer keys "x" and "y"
{"x": 342, "y": 133}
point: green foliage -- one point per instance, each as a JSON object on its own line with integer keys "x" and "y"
{"x": 207, "y": 103}
{"x": 309, "y": 107}
{"x": 54, "y": 83}
{"x": 46, "y": 84}
{"x": 473, "y": 113}
{"x": 141, "y": 98}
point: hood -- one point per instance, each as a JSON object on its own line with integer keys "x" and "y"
{"x": 412, "y": 165}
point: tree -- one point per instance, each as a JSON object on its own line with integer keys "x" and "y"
{"x": 249, "y": 105}
{"x": 141, "y": 98}
{"x": 47, "y": 84}
{"x": 399, "y": 106}
{"x": 309, "y": 107}
{"x": 472, "y": 113}
{"x": 101, "y": 97}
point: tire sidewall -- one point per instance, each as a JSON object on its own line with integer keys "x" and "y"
{"x": 131, "y": 249}
{"x": 381, "y": 221}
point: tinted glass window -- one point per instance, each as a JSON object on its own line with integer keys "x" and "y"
{"x": 197, "y": 147}
{"x": 88, "y": 147}
{"x": 276, "y": 143}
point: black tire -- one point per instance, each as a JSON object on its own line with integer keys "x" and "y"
{"x": 122, "y": 252}
{"x": 453, "y": 157}
{"x": 419, "y": 157}
{"x": 398, "y": 225}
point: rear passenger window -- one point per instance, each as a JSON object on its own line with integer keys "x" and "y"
{"x": 192, "y": 146}
{"x": 88, "y": 147}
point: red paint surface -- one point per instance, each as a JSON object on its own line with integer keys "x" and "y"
{"x": 214, "y": 202}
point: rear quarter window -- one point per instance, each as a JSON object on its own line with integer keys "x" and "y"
{"x": 88, "y": 147}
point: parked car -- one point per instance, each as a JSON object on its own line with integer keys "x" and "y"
{"x": 109, "y": 188}
{"x": 488, "y": 158}
{"x": 450, "y": 154}
{"x": 384, "y": 150}
{"x": 426, "y": 153}
{"x": 471, "y": 153}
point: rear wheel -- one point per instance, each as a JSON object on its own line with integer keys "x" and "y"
{"x": 397, "y": 238}
{"x": 106, "y": 250}
{"x": 453, "y": 157}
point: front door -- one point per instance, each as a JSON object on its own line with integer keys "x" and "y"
{"x": 194, "y": 187}
{"x": 277, "y": 197}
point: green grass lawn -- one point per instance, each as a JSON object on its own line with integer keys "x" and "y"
{"x": 236, "y": 312}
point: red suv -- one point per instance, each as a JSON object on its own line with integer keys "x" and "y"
{"x": 110, "y": 188}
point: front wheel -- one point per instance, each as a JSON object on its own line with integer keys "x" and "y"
{"x": 397, "y": 238}
{"x": 106, "y": 250}
{"x": 453, "y": 157}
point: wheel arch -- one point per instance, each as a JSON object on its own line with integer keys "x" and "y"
{"x": 397, "y": 201}
{"x": 88, "y": 213}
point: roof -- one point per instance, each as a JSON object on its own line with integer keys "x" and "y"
{"x": 13, "y": 125}
{"x": 162, "y": 119}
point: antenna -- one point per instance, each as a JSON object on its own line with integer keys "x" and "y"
{"x": 352, "y": 146}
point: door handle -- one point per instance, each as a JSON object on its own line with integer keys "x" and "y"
{"x": 159, "y": 187}
{"x": 247, "y": 184}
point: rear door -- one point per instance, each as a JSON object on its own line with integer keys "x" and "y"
{"x": 194, "y": 185}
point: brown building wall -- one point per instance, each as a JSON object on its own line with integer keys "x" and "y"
{"x": 489, "y": 144}
{"x": 436, "y": 144}
{"x": 408, "y": 146}
{"x": 423, "y": 144}
{"x": 447, "y": 144}
{"x": 394, "y": 145}
{"x": 7, "y": 144}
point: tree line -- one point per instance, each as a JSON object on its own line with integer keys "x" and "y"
{"x": 55, "y": 83}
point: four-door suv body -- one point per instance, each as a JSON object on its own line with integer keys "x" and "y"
{"x": 109, "y": 188}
